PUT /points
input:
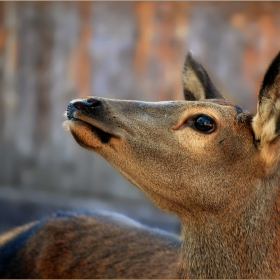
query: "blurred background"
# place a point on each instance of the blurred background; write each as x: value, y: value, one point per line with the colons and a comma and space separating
x: 52, y: 52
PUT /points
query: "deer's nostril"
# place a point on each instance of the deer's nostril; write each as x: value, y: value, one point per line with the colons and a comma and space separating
x: 89, y: 103
x: 78, y: 106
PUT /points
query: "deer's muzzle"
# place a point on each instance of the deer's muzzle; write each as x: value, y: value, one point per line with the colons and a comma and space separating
x: 89, y: 114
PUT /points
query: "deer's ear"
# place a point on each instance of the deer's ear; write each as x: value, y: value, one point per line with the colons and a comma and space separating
x: 266, y: 123
x: 196, y: 82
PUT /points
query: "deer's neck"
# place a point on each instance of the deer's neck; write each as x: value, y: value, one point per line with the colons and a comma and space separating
x: 244, y: 243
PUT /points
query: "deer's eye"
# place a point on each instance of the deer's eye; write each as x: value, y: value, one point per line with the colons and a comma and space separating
x: 203, y: 123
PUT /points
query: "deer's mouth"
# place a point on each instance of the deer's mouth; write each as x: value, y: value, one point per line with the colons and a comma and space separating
x: 103, y: 136
x: 87, y: 132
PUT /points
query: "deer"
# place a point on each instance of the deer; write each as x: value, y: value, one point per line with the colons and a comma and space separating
x: 209, y: 161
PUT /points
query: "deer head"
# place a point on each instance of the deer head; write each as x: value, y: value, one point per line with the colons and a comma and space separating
x: 205, y: 159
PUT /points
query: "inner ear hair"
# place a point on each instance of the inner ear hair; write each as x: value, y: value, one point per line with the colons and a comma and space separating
x: 266, y: 122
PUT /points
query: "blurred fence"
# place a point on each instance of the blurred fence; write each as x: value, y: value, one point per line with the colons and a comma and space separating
x: 52, y: 52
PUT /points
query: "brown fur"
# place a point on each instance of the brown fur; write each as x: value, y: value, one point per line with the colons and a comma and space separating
x: 96, y: 246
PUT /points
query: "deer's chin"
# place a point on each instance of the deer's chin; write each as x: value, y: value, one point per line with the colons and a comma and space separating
x: 87, y: 135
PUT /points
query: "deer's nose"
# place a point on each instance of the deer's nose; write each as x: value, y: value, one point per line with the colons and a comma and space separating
x: 84, y: 104
x: 81, y: 105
